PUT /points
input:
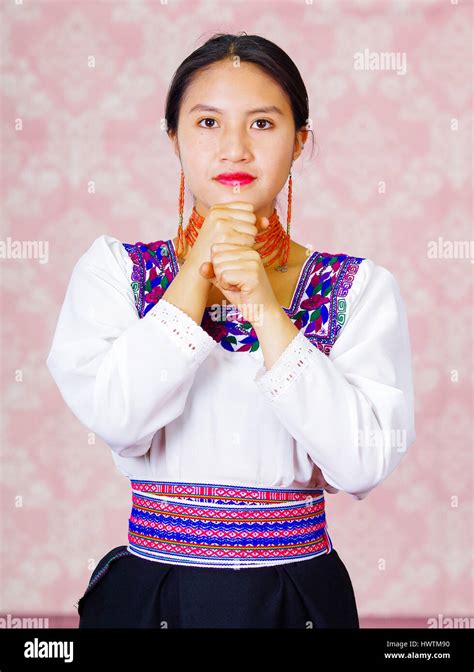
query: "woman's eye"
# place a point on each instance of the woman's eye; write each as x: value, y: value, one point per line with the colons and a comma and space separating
x: 206, y: 119
x: 265, y: 121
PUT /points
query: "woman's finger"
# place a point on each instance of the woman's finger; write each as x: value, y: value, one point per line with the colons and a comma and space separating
x: 206, y: 269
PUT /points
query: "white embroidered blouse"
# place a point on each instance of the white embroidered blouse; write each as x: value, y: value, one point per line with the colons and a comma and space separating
x: 178, y: 401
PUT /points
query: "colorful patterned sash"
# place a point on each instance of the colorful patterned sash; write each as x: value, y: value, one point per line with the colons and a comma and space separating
x: 212, y: 525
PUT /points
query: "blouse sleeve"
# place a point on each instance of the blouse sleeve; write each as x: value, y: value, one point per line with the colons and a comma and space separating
x: 352, y: 410
x: 124, y: 377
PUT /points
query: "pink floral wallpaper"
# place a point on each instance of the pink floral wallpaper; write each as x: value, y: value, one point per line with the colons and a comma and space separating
x: 84, y: 153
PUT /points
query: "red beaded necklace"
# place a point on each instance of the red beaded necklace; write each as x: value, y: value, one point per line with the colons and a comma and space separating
x: 274, y: 239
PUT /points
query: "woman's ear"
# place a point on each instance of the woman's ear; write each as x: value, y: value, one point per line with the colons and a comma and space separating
x: 300, y: 141
x: 174, y: 141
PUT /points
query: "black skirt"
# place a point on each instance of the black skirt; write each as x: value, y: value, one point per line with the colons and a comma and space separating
x: 126, y: 591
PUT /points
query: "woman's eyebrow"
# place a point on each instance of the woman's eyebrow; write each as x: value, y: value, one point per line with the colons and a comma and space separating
x: 209, y: 108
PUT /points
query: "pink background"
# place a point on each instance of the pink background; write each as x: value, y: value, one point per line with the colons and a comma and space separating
x: 408, y: 546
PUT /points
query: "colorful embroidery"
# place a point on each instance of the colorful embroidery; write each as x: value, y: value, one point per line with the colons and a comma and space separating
x: 318, y: 306
x: 216, y: 525
x: 154, y: 267
x: 322, y: 311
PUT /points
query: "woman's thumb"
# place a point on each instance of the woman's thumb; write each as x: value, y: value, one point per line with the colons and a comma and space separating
x: 207, y: 270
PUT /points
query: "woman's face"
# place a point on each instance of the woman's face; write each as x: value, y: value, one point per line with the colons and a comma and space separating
x: 236, y: 138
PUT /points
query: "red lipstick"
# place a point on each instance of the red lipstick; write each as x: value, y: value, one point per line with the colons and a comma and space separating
x: 232, y: 179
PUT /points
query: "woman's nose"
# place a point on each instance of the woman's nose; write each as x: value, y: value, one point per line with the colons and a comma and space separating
x: 234, y: 146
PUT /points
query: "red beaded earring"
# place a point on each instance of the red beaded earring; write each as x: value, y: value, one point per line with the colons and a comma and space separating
x: 288, y: 211
x: 283, y: 267
x: 180, y: 250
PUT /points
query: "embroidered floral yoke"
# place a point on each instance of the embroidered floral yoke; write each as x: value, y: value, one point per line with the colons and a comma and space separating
x: 318, y: 306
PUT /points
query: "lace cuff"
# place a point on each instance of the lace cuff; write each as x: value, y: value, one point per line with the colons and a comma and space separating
x: 189, y: 336
x: 287, y: 368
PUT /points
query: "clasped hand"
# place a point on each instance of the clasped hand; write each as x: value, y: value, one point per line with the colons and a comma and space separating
x: 236, y: 269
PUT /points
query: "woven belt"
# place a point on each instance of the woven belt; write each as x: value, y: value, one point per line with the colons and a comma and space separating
x: 212, y: 525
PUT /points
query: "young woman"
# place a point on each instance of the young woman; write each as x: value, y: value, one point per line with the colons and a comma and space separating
x: 235, y: 375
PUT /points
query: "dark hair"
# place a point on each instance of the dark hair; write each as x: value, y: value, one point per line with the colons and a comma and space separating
x: 252, y: 48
